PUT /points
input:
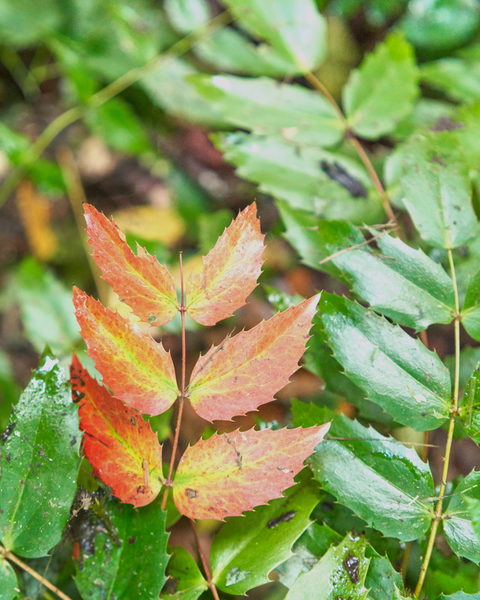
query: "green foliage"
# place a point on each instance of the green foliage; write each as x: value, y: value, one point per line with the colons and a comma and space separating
x: 8, y: 581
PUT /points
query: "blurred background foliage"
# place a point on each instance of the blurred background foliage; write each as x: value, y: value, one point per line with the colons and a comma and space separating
x: 147, y: 158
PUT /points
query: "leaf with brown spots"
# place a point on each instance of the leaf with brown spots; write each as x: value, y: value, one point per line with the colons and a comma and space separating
x: 121, y: 447
x: 234, y: 472
x: 140, y: 281
x: 246, y: 371
x: 138, y: 370
x: 230, y: 271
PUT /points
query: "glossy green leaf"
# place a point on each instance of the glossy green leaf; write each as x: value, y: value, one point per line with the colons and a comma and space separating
x: 295, y: 29
x: 189, y: 582
x: 471, y: 307
x: 437, y: 190
x: 132, y: 563
x: 383, y: 482
x: 39, y: 463
x: 266, y: 107
x: 247, y: 548
x: 382, y: 580
x: 460, y: 596
x: 396, y: 371
x: 470, y: 407
x: 373, y: 99
x: 340, y: 573
x: 8, y: 581
x: 457, y: 522
x: 46, y: 309
x: 328, y: 184
x: 118, y: 125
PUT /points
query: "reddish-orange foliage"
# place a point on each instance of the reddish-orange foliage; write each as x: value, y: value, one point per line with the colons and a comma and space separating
x: 121, y: 447
x: 138, y: 370
x: 246, y: 371
x: 140, y: 281
x: 234, y: 472
x: 230, y: 271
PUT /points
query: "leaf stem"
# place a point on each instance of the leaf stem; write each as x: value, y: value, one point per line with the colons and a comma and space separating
x: 107, y: 93
x: 309, y: 76
x: 205, y: 564
x: 448, y: 448
x: 11, y: 557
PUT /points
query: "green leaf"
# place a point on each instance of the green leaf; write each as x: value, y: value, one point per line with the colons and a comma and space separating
x: 373, y: 99
x: 295, y: 29
x: 396, y: 371
x: 471, y: 307
x: 474, y: 510
x: 131, y: 564
x: 459, y: 79
x: 341, y: 572
x: 187, y: 15
x: 437, y: 190
x: 470, y: 407
x: 460, y: 596
x: 39, y: 463
x: 328, y: 184
x: 382, y: 579
x: 383, y: 482
x: 8, y: 580
x: 457, y: 522
x: 266, y: 107
x: 118, y: 125
x: 26, y: 22
x: 189, y: 581
x: 46, y: 309
x: 247, y: 548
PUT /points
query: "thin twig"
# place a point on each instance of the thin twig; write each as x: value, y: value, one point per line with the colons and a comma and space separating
x: 11, y: 557
x: 335, y: 254
x: 205, y: 564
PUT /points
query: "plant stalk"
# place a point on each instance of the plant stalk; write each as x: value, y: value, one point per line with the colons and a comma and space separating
x: 206, y: 567
x: 448, y: 448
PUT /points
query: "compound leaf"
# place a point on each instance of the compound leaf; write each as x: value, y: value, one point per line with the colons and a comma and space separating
x: 396, y: 371
x: 121, y: 447
x: 373, y: 100
x: 145, y: 285
x: 247, y: 548
x: 247, y: 370
x: 230, y: 271
x: 39, y: 463
x: 138, y: 370
x: 228, y: 474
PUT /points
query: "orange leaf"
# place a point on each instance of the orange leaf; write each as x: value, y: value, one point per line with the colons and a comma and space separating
x: 144, y: 284
x: 230, y: 271
x: 138, y: 370
x: 121, y: 447
x: 233, y: 472
x: 247, y: 370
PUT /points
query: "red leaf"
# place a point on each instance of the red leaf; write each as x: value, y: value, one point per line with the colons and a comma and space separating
x: 234, y: 472
x: 230, y: 271
x: 246, y: 371
x: 121, y: 447
x: 138, y: 370
x: 144, y: 284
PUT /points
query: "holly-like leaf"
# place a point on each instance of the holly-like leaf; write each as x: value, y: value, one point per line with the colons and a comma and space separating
x: 373, y: 100
x: 140, y: 281
x: 121, y: 447
x: 270, y: 530
x: 130, y: 560
x: 39, y: 463
x: 138, y: 370
x: 457, y: 522
x: 190, y: 583
x: 471, y: 307
x: 246, y: 371
x: 8, y: 581
x: 437, y: 190
x: 340, y: 573
x: 383, y: 482
x: 231, y: 473
x: 397, y: 372
x: 230, y: 271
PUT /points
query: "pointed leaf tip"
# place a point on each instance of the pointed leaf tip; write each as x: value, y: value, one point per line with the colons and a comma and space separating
x: 138, y: 370
x: 230, y: 271
x: 121, y: 447
x: 140, y: 281
x: 234, y: 472
x: 252, y: 366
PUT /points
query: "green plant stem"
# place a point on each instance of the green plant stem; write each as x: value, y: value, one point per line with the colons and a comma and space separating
x: 14, y: 559
x: 107, y: 93
x: 205, y: 564
x: 448, y: 448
